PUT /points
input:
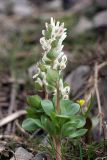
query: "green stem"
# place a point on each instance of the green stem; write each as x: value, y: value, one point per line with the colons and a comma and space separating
x: 58, y: 99
x: 56, y: 140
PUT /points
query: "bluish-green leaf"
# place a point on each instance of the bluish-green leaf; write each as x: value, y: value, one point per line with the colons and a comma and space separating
x: 61, y: 119
x: 47, y: 106
x: 29, y: 124
x: 77, y: 133
x: 34, y: 112
x: 52, y: 76
x: 78, y: 120
x: 52, y: 54
x: 48, y: 125
x: 48, y: 32
x: 34, y: 101
x: 62, y: 116
x: 75, y: 123
x: 69, y: 108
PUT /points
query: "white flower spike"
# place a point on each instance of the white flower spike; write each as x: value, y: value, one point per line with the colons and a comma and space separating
x: 53, y: 56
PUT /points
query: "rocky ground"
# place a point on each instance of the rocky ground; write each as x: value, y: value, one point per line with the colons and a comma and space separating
x: 86, y: 73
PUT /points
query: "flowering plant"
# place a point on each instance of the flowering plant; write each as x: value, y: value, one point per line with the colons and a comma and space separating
x: 60, y: 117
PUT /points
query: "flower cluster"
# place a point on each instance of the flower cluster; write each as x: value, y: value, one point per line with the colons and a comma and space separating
x: 53, y: 56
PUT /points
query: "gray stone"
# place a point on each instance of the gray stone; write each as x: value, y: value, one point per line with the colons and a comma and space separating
x: 45, y: 141
x: 53, y: 5
x: 40, y: 156
x: 6, y: 6
x: 22, y: 154
x: 83, y: 25
x: 22, y: 8
x: 102, y: 3
x: 2, y: 7
x: 100, y: 20
x: 77, y: 78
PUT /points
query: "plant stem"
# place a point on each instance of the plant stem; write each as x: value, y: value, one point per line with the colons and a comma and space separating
x: 57, y: 144
x: 56, y: 140
x: 46, y: 95
x: 58, y: 99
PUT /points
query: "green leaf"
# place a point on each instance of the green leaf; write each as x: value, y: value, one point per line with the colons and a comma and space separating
x: 89, y: 107
x: 58, y: 120
x: 50, y: 88
x: 47, y: 106
x: 31, y: 112
x: 77, y: 133
x: 66, y: 129
x: 52, y: 76
x: 34, y: 101
x: 54, y: 100
x: 69, y: 108
x: 42, y: 67
x: 37, y: 86
x: 75, y: 107
x: 75, y: 123
x: 54, y: 43
x: 54, y: 118
x: 48, y: 32
x: 63, y: 116
x: 48, y: 125
x: 38, y: 123
x: 29, y: 124
x: 52, y: 54
x: 61, y: 119
x: 43, y: 121
x: 78, y: 120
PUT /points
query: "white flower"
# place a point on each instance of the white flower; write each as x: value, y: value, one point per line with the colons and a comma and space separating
x: 66, y: 90
x: 39, y: 81
x: 63, y: 62
x: 64, y: 58
x: 45, y: 44
x: 53, y: 56
x: 43, y: 32
x: 61, y: 85
x: 56, y: 32
x: 60, y: 55
x: 37, y: 74
x: 66, y: 97
x: 45, y: 59
x: 55, y: 91
x: 45, y: 82
x: 46, y: 25
x: 56, y: 64
x: 43, y: 74
x: 52, y: 22
x: 62, y: 66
